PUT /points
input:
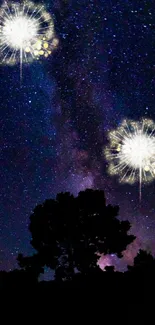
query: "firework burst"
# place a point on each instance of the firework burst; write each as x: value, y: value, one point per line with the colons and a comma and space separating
x: 26, y: 33
x: 131, y: 152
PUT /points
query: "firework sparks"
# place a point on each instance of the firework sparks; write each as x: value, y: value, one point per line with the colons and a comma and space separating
x: 131, y: 152
x: 26, y: 33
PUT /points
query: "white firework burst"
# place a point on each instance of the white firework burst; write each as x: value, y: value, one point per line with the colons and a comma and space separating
x: 131, y: 152
x: 26, y: 33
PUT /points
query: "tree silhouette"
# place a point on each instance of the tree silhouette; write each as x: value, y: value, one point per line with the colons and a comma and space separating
x: 144, y: 262
x: 69, y: 231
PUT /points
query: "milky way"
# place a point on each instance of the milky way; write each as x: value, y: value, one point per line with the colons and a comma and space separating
x: 54, y: 128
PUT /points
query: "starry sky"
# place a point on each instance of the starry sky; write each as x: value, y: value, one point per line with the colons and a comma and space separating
x: 53, y: 127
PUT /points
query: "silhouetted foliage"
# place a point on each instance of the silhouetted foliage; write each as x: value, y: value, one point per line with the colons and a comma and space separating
x: 31, y: 265
x: 68, y: 232
x: 110, y: 268
x: 143, y: 263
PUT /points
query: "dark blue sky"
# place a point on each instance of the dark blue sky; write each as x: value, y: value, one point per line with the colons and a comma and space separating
x: 54, y: 127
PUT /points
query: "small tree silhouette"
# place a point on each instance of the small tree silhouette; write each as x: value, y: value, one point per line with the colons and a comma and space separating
x: 143, y: 263
x: 68, y: 233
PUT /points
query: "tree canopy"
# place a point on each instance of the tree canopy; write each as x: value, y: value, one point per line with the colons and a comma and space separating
x: 70, y: 232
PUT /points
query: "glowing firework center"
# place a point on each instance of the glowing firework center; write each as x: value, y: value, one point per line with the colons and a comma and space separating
x: 26, y: 33
x: 20, y: 32
x: 131, y: 152
x: 138, y: 151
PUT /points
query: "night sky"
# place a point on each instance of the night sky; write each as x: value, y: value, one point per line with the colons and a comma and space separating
x: 53, y: 128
